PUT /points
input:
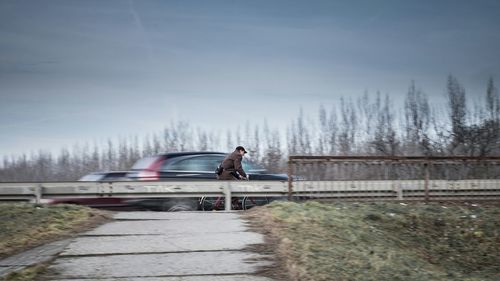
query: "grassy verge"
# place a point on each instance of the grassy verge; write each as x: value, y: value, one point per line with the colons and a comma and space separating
x: 24, y: 226
x: 27, y: 274
x: 383, y: 241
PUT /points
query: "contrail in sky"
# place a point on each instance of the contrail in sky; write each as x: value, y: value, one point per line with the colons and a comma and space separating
x: 140, y: 26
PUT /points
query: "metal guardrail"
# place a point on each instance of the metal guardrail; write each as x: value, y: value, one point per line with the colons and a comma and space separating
x: 411, y: 177
x: 141, y: 188
x: 332, y: 177
x: 342, y: 190
x: 33, y: 191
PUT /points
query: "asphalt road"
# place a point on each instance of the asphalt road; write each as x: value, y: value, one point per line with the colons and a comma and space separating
x: 186, y: 246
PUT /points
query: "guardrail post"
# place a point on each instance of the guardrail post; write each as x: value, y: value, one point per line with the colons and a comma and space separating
x: 426, y: 180
x: 289, y: 172
x: 100, y: 190
x: 227, y: 196
x: 110, y: 185
x: 399, y: 191
x: 38, y: 193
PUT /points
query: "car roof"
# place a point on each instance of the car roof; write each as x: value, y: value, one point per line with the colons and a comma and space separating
x: 179, y: 154
x: 108, y: 172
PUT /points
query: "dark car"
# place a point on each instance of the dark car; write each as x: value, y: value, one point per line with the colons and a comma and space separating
x: 192, y: 166
x: 186, y: 166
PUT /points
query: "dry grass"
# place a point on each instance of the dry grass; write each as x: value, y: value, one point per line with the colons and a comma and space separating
x: 24, y: 226
x: 383, y: 241
x: 27, y: 274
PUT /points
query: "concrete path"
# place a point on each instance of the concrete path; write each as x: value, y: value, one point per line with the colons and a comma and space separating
x: 152, y: 246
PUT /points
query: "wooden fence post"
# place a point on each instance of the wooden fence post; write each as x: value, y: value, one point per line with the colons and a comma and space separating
x: 289, y: 172
x: 426, y: 180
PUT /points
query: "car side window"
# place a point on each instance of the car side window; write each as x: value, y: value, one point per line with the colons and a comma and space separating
x: 198, y: 163
x: 247, y: 165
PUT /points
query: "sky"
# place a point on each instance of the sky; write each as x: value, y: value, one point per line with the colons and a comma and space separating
x: 84, y: 71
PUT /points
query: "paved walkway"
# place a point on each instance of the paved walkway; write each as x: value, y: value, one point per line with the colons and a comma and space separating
x: 187, y: 246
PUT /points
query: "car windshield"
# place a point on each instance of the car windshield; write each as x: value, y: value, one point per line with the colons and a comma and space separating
x: 206, y: 163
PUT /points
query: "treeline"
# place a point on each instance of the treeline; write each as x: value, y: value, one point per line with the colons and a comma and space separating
x: 373, y: 126
x: 367, y: 125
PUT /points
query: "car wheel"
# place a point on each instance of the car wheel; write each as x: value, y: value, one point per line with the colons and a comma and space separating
x: 212, y: 203
x: 250, y: 202
x: 179, y: 206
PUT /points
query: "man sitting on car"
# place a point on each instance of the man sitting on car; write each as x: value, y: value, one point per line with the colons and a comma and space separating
x: 232, y: 168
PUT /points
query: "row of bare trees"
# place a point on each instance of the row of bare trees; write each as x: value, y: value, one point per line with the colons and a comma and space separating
x: 373, y: 126
x: 120, y: 154
x: 368, y: 125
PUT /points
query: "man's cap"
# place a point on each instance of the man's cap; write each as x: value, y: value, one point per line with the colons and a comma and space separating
x: 241, y: 148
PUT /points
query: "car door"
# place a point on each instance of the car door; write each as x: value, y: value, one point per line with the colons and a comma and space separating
x: 197, y: 167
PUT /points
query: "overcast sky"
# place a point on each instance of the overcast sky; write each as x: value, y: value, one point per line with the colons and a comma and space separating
x: 76, y: 71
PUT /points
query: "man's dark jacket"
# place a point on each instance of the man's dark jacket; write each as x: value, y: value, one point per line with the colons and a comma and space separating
x: 231, y: 165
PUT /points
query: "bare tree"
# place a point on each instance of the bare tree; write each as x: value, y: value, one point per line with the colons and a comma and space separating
x: 184, y: 134
x: 458, y: 112
x: 332, y: 132
x: 417, y: 117
x: 43, y: 165
x: 63, y: 165
x: 229, y: 141
x: 273, y: 156
x: 214, y: 140
x: 256, y: 157
x: 303, y: 134
x: 147, y: 149
x: 133, y: 151
x: 492, y: 101
x: 348, y: 127
x: 367, y: 110
x: 322, y: 146
x: 202, y: 140
x: 385, y: 142
x: 238, y: 136
x: 110, y: 157
x: 156, y: 144
x: 483, y: 137
x: 169, y: 137
x: 123, y: 154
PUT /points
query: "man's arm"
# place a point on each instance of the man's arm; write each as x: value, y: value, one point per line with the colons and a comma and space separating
x: 238, y: 167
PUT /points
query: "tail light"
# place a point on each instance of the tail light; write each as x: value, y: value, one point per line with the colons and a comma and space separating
x: 151, y: 173
x: 147, y: 169
x: 148, y: 176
